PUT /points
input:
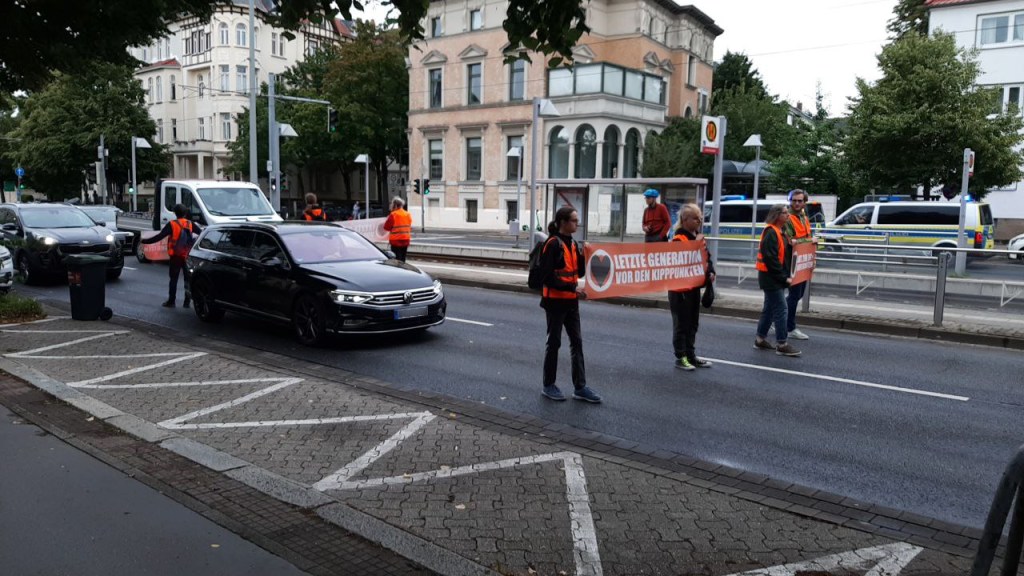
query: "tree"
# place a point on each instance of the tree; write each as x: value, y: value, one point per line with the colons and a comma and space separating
x: 909, y: 17
x: 675, y: 152
x: 909, y: 129
x: 61, y: 126
x: 737, y: 71
x: 41, y: 37
x: 749, y: 111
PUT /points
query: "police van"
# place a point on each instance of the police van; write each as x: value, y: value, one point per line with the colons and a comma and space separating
x: 735, y: 220
x: 927, y: 225
x: 212, y: 202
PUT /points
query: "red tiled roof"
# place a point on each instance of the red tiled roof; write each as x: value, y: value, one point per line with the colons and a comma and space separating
x: 171, y: 63
x: 937, y: 3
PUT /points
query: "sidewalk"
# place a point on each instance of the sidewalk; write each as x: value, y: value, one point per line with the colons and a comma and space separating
x: 458, y: 487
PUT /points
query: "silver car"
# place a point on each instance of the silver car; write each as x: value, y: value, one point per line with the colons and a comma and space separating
x: 6, y: 270
x: 1016, y: 248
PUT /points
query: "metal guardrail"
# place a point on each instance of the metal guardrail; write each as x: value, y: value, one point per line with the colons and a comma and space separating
x: 1010, y: 490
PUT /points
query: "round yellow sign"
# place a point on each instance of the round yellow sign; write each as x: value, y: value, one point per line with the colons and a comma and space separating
x: 712, y: 131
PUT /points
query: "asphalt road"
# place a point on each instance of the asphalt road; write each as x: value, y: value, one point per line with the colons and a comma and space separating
x: 54, y: 498
x: 934, y: 443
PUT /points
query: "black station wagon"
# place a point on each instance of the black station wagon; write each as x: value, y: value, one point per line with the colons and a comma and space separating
x: 318, y: 277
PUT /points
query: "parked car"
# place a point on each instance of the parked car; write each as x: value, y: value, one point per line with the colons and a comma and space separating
x: 106, y: 216
x: 318, y: 277
x: 6, y: 270
x: 1016, y: 247
x: 927, y: 225
x: 42, y: 235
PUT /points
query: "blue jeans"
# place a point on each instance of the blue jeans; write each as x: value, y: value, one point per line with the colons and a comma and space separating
x: 773, y: 312
x: 792, y: 299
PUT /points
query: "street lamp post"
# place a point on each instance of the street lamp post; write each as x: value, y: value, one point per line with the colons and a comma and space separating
x: 542, y: 108
x: 517, y: 152
x: 755, y: 141
x: 137, y: 142
x: 365, y: 159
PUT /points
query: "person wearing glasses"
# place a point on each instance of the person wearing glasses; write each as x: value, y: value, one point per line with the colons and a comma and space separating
x: 798, y: 230
x: 563, y: 264
x: 685, y: 304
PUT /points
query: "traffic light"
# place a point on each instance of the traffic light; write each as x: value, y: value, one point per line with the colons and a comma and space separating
x: 426, y: 186
x: 416, y: 186
x: 332, y: 120
x: 284, y: 182
x: 131, y: 190
x: 273, y: 185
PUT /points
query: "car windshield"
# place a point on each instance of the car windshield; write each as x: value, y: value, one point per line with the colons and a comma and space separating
x: 107, y: 215
x: 329, y: 245
x: 235, y: 202
x: 56, y: 218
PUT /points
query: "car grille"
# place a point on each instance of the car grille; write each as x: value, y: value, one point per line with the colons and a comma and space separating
x: 398, y: 298
x: 84, y: 248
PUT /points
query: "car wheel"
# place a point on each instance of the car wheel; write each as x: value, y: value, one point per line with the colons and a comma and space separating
x: 834, y: 247
x: 939, y: 251
x: 202, y: 302
x: 140, y: 255
x: 114, y: 274
x: 28, y: 275
x: 308, y: 320
x: 1020, y: 256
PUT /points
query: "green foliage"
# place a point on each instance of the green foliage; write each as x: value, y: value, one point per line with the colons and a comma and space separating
x: 60, y: 127
x: 676, y: 152
x: 238, y: 149
x: 736, y: 71
x: 549, y: 27
x: 909, y: 17
x: 910, y: 127
x: 750, y: 111
x: 15, y: 308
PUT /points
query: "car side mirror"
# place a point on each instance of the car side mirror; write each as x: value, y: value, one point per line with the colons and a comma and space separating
x: 389, y: 254
x: 10, y: 227
x: 275, y: 262
x: 101, y: 223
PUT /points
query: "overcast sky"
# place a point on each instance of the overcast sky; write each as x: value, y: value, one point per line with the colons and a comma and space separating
x: 796, y: 44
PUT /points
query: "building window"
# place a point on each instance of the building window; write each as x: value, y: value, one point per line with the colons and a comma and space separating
x: 225, y: 126
x: 202, y: 128
x: 435, y: 88
x: 514, y: 162
x: 174, y: 129
x: 149, y: 90
x: 145, y: 55
x: 517, y: 80
x: 558, y: 153
x: 240, y: 35
x: 702, y: 103
x: 586, y: 152
x: 280, y: 45
x: 610, y: 153
x: 225, y: 78
x: 632, y: 154
x: 474, y: 159
x: 1002, y: 29
x: 471, y: 211
x: 273, y: 43
x: 159, y: 88
x: 476, y: 19
x: 688, y: 113
x: 607, y: 79
x: 224, y: 34
x: 588, y: 79
x: 691, y: 71
x: 174, y: 88
x: 202, y: 86
x: 435, y: 27
x: 474, y: 84
x: 242, y: 79
x: 160, y: 130
x: 436, y: 159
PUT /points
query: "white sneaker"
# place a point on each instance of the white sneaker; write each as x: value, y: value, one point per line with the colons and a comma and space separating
x: 796, y: 334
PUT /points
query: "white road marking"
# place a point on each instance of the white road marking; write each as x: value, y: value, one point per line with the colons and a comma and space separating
x: 49, y: 319
x: 843, y: 380
x: 130, y: 268
x: 889, y: 560
x: 116, y: 375
x: 177, y: 423
x: 28, y: 353
x: 177, y: 384
x: 469, y: 321
x: 332, y: 481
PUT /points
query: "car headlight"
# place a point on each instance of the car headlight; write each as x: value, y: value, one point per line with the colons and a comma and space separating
x: 46, y: 240
x: 437, y: 287
x: 343, y: 297
x: 109, y: 238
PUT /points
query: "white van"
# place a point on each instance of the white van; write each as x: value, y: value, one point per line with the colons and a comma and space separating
x: 212, y: 202
x: 735, y: 219
x: 911, y: 224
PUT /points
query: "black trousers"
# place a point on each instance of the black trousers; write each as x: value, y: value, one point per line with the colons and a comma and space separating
x: 685, y: 307
x: 177, y: 265
x: 564, y: 314
x: 399, y: 251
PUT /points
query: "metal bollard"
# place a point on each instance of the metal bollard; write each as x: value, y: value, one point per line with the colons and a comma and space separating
x: 940, y: 286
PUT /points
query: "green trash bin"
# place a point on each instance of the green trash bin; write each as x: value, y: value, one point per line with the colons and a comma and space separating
x: 87, y: 281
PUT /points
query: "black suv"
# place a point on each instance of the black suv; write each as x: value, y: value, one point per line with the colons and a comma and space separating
x: 41, y: 235
x: 318, y: 277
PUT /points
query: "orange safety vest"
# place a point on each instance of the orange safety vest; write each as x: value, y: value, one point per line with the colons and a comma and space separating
x: 401, y: 228
x: 801, y: 225
x: 176, y: 228
x: 782, y: 247
x: 567, y: 273
x: 314, y: 214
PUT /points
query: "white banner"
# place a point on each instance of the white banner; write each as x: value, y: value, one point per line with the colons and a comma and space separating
x: 372, y: 228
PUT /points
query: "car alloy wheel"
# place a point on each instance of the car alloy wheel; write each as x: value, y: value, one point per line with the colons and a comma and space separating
x: 25, y: 269
x: 203, y: 304
x: 308, y: 320
x: 140, y: 254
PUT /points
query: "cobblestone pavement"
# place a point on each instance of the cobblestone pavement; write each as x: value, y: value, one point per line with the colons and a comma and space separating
x: 461, y: 491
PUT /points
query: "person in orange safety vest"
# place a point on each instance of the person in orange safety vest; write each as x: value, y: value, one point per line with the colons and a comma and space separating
x: 313, y: 211
x: 798, y: 231
x: 773, y: 277
x: 399, y: 224
x: 181, y: 234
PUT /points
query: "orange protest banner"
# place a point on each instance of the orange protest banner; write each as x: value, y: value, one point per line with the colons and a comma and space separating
x: 629, y: 269
x: 804, y: 257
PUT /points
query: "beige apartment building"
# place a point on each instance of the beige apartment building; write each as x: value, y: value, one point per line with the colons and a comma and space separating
x: 643, y: 62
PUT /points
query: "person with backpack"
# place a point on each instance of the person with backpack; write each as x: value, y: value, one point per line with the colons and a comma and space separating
x: 561, y: 266
x: 313, y: 211
x: 181, y: 234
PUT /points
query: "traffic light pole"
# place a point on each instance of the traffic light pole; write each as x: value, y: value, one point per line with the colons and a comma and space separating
x: 274, y: 130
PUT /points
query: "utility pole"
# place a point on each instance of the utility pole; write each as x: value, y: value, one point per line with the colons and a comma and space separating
x: 101, y: 170
x: 253, y: 147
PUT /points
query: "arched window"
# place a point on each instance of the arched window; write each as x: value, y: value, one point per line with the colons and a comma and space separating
x: 632, y: 154
x: 610, y: 163
x: 586, y: 152
x: 558, y: 153
x: 240, y: 35
x: 688, y: 113
x: 224, y: 33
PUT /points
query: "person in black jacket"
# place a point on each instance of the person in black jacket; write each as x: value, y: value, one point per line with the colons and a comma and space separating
x: 685, y: 304
x: 563, y: 264
x: 773, y: 277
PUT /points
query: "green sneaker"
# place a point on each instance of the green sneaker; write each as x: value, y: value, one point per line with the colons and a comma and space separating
x: 683, y: 363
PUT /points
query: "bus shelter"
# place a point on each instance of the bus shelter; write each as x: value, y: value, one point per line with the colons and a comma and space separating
x: 613, y: 208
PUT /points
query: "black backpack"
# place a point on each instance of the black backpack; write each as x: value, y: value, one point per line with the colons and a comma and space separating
x: 535, y: 280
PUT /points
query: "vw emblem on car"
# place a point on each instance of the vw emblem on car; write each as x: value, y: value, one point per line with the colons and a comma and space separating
x: 407, y: 297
